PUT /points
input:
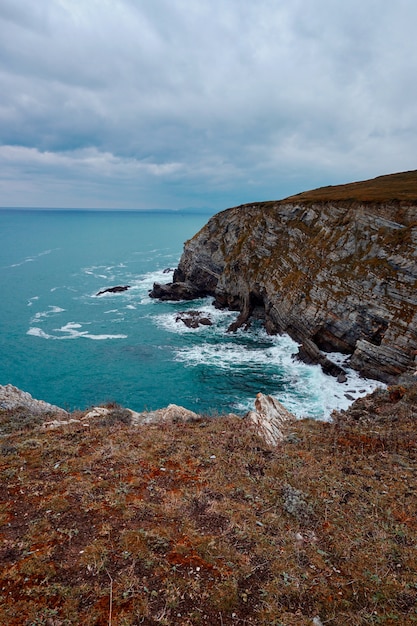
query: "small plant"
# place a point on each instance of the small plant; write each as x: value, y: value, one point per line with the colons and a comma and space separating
x: 117, y: 415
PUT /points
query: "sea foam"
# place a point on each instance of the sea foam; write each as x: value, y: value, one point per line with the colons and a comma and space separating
x: 303, y: 389
x: 71, y: 331
x: 41, y: 315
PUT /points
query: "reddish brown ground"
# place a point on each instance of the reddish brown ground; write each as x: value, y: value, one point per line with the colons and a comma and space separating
x: 205, y: 524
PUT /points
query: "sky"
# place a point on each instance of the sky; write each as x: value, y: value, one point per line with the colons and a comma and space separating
x: 170, y: 104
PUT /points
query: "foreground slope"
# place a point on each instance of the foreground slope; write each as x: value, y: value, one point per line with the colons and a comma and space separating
x: 335, y: 268
x: 106, y: 523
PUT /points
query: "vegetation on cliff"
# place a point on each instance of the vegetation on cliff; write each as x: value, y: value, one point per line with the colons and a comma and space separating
x: 105, y: 523
x: 401, y: 187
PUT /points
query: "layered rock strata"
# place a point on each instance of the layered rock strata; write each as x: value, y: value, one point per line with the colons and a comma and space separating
x: 337, y: 275
x: 270, y: 419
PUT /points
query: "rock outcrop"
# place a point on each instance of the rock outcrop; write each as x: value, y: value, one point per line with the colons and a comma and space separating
x: 335, y: 268
x: 175, y: 291
x: 12, y: 398
x: 270, y: 419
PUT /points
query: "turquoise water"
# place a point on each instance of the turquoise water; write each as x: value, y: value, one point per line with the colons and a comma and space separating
x: 63, y: 344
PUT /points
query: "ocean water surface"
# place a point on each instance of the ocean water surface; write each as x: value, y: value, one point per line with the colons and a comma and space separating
x: 66, y: 345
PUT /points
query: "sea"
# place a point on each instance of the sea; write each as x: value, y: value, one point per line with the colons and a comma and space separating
x: 64, y: 344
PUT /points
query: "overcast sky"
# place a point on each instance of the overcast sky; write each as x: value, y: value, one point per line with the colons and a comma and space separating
x: 201, y: 103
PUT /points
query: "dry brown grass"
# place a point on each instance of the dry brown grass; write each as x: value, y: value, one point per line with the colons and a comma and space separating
x: 401, y: 187
x: 204, y: 524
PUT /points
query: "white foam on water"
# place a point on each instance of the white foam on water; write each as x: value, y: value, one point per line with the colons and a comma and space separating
x: 63, y: 287
x: 317, y: 394
x: 104, y: 337
x: 168, y: 322
x: 31, y: 259
x: 38, y: 332
x: 71, y: 331
x: 105, y: 272
x: 220, y: 318
x: 159, y: 276
x: 234, y: 355
x: 140, y: 287
x: 304, y: 389
x: 41, y: 315
x: 98, y: 271
x: 32, y: 300
x: 152, y: 252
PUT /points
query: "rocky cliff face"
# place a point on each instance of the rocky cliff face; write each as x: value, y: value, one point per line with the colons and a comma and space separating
x: 336, y: 273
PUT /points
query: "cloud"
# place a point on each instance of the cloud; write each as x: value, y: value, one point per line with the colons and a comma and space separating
x: 203, y: 103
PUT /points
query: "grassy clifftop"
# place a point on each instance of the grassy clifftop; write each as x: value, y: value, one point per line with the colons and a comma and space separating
x: 401, y: 187
x: 109, y: 524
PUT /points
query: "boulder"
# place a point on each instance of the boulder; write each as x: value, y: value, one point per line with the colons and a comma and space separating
x: 270, y: 419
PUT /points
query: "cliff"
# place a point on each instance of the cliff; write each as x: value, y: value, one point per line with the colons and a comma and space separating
x: 335, y: 268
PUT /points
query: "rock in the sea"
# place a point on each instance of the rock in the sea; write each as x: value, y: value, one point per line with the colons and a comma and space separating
x: 270, y: 419
x: 175, y: 291
x: 117, y: 289
x: 193, y: 319
x: 335, y: 268
x: 13, y: 398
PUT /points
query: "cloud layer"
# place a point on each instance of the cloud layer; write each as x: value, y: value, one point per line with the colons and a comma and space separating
x: 167, y: 103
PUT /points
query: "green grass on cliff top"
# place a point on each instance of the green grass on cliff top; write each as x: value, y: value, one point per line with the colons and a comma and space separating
x: 401, y: 186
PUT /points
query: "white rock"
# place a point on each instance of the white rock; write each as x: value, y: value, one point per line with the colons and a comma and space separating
x: 58, y: 423
x: 171, y: 414
x: 270, y: 418
x: 13, y: 398
x: 97, y: 411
